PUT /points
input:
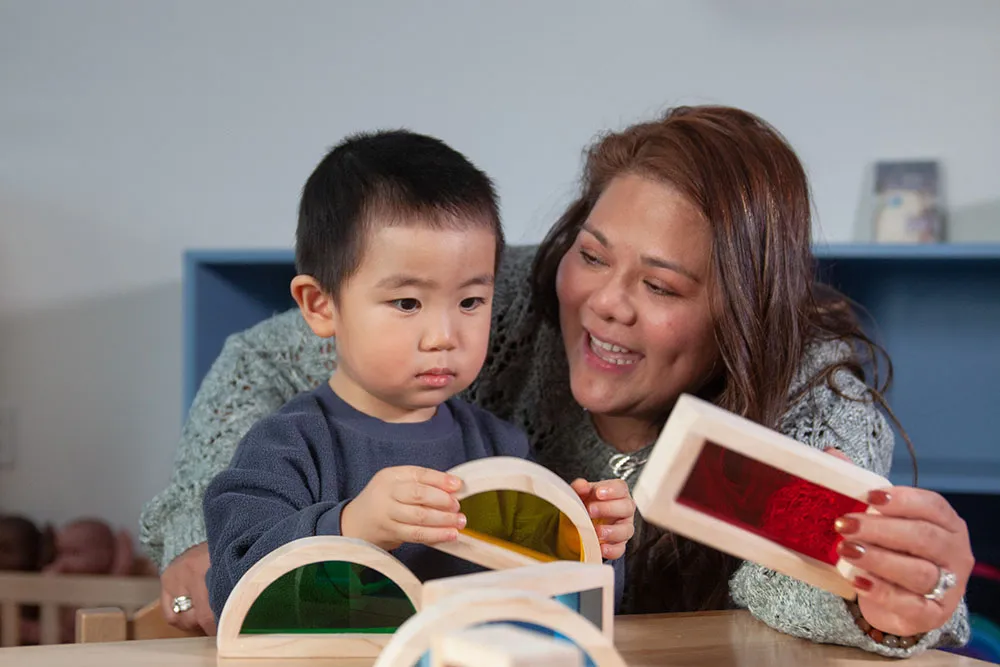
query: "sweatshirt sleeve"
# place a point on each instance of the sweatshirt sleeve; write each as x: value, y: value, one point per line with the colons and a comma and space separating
x: 267, y: 498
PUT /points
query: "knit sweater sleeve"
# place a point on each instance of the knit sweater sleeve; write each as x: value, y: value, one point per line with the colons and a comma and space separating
x: 257, y: 372
x: 852, y: 424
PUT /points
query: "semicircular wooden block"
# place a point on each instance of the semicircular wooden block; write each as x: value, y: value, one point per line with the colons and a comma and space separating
x: 419, y: 634
x: 509, y: 474
x: 233, y: 642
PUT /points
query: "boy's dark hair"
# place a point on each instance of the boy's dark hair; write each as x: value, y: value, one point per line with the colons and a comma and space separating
x: 386, y: 178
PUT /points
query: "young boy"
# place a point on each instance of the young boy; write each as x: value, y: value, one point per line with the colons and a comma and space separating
x: 398, y: 242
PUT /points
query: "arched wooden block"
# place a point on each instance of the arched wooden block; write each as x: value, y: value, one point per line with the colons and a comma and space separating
x: 477, y: 607
x: 595, y: 583
x: 663, y: 494
x: 505, y: 473
x: 504, y: 646
x: 306, y: 551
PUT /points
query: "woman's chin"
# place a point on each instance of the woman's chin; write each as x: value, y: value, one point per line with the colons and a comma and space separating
x: 595, y: 398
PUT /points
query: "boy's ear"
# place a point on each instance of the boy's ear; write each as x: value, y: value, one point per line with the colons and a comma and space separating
x: 316, y: 305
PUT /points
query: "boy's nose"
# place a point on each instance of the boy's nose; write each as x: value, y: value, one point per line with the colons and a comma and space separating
x: 440, y: 336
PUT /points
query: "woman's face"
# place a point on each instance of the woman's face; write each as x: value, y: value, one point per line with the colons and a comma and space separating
x: 634, y: 301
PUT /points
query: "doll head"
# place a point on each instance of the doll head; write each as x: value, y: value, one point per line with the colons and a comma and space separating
x: 84, y: 546
x: 23, y: 547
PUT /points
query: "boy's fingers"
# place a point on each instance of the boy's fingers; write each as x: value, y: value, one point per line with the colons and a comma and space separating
x: 441, y: 480
x: 612, y: 551
x: 414, y: 493
x: 582, y: 487
x: 425, y: 534
x: 611, y: 489
x: 617, y: 533
x: 622, y: 508
x: 421, y: 515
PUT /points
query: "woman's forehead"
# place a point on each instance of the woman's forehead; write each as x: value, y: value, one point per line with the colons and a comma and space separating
x: 651, y: 217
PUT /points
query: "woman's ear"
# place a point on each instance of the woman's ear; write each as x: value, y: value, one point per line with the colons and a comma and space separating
x: 316, y: 305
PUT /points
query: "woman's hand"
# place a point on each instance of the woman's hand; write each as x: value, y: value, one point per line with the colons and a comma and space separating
x: 185, y: 576
x: 405, y: 504
x: 904, y: 549
x: 612, y: 509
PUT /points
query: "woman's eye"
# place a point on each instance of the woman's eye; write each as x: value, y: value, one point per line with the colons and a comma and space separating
x: 658, y: 290
x: 591, y: 259
x: 472, y: 303
x: 406, y: 305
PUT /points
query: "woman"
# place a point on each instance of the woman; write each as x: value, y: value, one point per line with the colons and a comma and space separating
x: 685, y: 265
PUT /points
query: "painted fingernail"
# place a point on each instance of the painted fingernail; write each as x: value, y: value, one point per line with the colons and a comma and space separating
x: 595, y: 511
x: 604, y: 533
x: 850, y: 550
x: 846, y: 525
x: 462, y: 521
x: 879, y: 497
x: 863, y: 584
x: 602, y: 493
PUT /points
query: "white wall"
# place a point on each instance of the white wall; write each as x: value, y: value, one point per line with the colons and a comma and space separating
x: 132, y: 130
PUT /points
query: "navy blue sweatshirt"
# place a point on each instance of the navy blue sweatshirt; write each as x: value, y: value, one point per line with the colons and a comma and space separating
x: 295, y: 470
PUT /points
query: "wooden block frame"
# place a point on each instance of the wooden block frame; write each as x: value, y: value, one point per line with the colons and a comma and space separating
x: 692, y: 423
x: 503, y: 646
x: 479, y: 607
x: 306, y: 551
x: 596, y: 583
x: 506, y: 473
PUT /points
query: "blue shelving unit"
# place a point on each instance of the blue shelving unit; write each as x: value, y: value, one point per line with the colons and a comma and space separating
x: 936, y: 310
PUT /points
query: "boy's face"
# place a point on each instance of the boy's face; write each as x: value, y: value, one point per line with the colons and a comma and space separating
x: 413, y: 323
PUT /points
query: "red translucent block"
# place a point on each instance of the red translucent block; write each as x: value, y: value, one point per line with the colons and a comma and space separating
x: 781, y: 507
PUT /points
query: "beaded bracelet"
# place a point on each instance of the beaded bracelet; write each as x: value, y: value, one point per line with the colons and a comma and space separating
x: 879, y: 637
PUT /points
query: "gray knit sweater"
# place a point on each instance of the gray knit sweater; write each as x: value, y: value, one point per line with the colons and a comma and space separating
x: 524, y: 381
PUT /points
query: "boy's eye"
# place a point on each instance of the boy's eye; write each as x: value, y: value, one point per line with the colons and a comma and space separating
x: 472, y: 303
x: 406, y: 305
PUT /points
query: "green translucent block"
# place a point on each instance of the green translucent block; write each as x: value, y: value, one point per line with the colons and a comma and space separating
x: 333, y: 598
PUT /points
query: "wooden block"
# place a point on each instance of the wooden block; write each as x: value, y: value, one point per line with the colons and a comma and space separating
x: 479, y: 607
x: 503, y: 646
x: 232, y: 643
x: 101, y: 624
x: 752, y: 492
x: 510, y: 474
x: 10, y: 623
x: 594, y: 583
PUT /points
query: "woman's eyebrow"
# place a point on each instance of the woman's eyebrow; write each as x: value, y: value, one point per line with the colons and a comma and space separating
x: 648, y: 260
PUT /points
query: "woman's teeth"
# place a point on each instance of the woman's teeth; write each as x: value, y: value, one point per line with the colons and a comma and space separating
x: 601, y: 349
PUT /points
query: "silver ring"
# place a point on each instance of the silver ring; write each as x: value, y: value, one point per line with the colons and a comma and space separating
x: 946, y: 581
x: 182, y: 603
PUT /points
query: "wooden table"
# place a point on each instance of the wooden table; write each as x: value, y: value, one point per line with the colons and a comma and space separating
x: 719, y: 639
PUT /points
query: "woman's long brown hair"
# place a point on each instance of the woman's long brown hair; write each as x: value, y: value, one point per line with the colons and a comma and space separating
x: 767, y: 305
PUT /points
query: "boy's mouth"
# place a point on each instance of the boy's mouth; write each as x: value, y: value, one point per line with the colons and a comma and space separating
x: 437, y: 377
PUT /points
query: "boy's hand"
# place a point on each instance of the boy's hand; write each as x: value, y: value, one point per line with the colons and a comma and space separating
x: 405, y: 504
x: 612, y: 509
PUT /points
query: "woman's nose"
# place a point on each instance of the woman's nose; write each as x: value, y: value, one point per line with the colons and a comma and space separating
x: 612, y: 303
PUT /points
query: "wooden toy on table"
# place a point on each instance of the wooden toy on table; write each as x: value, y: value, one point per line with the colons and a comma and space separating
x: 473, y: 608
x: 322, y: 596
x: 585, y: 588
x: 503, y: 646
x: 520, y: 513
x: 754, y: 493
